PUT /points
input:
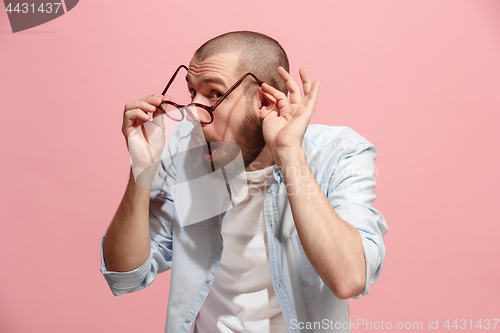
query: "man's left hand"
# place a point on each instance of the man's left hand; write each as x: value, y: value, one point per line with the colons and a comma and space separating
x: 284, y: 129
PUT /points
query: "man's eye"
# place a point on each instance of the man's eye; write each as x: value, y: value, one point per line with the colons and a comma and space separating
x: 215, y: 94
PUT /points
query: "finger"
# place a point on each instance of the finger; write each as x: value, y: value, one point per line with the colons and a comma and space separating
x: 131, y: 116
x: 142, y: 105
x: 158, y: 118
x: 269, y: 96
x: 270, y: 115
x: 279, y: 96
x: 148, y: 103
x: 293, y: 88
x: 154, y: 99
x: 306, y: 82
x: 313, y: 95
x: 163, y: 105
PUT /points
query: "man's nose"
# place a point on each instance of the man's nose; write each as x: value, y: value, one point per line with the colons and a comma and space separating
x: 187, y: 114
x: 200, y: 99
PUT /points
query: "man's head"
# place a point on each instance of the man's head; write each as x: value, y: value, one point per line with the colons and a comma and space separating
x: 216, y: 66
x: 258, y: 54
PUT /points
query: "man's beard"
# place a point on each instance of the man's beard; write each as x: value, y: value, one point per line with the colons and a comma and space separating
x: 248, y: 137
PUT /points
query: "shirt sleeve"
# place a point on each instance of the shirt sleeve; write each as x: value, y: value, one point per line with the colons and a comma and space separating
x: 161, y: 214
x: 351, y: 194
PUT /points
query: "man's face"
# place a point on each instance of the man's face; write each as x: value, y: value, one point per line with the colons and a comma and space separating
x: 235, y: 119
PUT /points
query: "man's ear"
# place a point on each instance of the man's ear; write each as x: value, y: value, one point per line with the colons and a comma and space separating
x: 268, y: 103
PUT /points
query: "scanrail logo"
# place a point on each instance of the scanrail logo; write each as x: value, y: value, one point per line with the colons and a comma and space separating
x: 29, y: 14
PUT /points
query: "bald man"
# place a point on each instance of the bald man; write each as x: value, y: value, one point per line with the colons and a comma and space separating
x: 305, y: 238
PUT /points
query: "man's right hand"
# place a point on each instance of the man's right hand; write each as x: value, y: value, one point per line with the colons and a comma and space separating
x: 138, y: 112
x: 145, y: 150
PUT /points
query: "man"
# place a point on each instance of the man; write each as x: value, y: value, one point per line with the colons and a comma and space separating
x: 302, y: 241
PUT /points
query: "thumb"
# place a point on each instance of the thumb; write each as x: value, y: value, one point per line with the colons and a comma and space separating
x: 158, y: 118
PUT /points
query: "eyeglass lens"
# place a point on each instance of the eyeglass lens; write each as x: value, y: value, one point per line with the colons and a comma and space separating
x: 197, y: 113
x: 180, y: 95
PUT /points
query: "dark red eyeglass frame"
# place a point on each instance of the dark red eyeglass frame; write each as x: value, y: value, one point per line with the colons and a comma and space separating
x: 209, y: 109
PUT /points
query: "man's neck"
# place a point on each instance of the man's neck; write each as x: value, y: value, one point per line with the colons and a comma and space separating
x: 263, y: 160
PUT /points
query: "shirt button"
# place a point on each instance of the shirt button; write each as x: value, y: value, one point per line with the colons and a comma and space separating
x: 207, y: 279
x: 188, y: 319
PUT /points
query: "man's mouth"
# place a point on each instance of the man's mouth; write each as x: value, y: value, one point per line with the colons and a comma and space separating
x: 209, y: 148
x: 209, y: 151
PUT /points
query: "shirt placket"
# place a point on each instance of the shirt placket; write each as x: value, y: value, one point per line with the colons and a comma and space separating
x: 274, y: 245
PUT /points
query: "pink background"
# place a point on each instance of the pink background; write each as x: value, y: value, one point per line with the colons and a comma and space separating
x: 419, y: 79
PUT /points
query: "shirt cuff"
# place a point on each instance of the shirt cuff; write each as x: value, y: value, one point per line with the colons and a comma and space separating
x: 125, y: 282
x: 372, y: 260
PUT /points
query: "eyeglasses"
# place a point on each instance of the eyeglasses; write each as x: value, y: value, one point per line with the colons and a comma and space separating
x: 199, y: 112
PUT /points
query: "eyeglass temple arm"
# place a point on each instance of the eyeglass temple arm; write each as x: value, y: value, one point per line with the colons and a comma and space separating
x: 236, y: 85
x: 173, y: 77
